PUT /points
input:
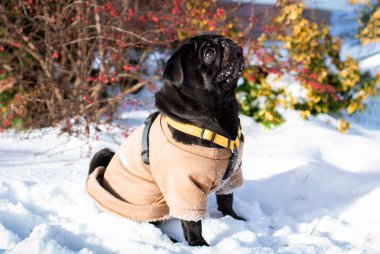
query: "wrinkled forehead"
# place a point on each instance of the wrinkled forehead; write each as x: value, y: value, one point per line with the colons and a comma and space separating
x: 200, y: 39
x: 205, y: 36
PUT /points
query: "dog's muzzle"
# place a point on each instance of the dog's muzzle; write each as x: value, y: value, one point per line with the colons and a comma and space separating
x: 233, y: 61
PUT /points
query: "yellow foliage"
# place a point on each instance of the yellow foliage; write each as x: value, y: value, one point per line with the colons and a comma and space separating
x: 310, y: 52
x: 371, y: 32
x: 349, y: 73
x: 305, y: 114
x: 343, y: 126
x: 204, y: 16
x: 352, y: 108
x: 263, y: 37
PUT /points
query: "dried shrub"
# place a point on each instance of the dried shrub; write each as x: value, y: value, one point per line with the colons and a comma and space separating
x: 65, y: 60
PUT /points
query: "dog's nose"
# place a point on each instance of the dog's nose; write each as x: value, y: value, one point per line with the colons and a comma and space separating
x: 239, y: 52
x: 232, y: 48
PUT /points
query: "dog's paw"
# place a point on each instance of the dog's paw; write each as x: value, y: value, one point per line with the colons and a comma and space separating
x: 173, y: 239
x: 198, y: 242
x: 237, y: 217
x: 232, y: 214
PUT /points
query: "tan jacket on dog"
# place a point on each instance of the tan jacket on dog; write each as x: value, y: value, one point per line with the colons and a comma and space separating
x: 176, y: 182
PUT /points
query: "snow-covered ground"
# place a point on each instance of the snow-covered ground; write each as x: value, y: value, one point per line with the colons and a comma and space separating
x: 308, y: 189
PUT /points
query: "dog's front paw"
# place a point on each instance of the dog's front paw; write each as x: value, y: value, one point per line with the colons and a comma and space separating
x: 198, y: 242
x: 233, y: 215
x: 225, y: 206
x: 193, y: 233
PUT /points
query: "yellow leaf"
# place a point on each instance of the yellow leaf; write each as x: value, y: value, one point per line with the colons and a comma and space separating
x: 305, y: 114
x: 343, y: 126
x: 263, y: 37
x: 352, y: 108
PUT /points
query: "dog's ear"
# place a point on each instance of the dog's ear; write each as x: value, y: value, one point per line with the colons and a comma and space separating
x: 173, y: 71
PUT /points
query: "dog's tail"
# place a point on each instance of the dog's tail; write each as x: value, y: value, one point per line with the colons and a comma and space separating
x: 101, y: 158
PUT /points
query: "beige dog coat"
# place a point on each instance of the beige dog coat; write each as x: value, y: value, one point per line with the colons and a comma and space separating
x: 176, y: 182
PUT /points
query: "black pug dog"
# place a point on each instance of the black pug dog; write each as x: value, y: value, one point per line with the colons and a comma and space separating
x: 199, y: 89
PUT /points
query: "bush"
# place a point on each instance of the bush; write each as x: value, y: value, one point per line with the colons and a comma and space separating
x: 369, y: 20
x: 77, y: 59
x: 301, y: 48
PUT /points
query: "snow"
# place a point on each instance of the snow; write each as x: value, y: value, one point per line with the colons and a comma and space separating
x: 288, y: 82
x: 308, y: 189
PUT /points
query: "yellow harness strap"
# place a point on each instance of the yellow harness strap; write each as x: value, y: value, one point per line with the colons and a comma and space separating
x: 205, y: 134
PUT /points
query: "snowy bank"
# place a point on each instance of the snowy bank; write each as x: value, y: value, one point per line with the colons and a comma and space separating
x: 308, y: 189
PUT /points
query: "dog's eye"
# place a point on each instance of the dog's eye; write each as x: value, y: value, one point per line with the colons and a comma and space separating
x: 209, y: 55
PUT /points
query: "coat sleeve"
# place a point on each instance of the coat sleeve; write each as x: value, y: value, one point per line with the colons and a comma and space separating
x: 235, y: 181
x: 184, y: 182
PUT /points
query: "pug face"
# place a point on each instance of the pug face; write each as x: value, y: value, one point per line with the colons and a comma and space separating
x: 205, y: 67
